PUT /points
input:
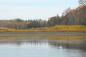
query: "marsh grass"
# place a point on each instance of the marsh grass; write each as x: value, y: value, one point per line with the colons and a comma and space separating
x: 59, y: 28
x: 69, y: 38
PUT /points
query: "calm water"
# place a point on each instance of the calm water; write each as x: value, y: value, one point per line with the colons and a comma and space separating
x: 38, y: 49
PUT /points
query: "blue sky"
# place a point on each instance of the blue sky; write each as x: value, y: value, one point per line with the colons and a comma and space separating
x: 34, y: 9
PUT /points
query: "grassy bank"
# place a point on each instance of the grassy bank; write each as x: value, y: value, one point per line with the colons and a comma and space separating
x: 59, y: 28
x: 68, y: 38
x: 69, y: 28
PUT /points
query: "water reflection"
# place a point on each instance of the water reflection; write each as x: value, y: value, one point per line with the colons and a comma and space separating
x: 53, y: 44
x: 57, y: 44
x: 37, y: 48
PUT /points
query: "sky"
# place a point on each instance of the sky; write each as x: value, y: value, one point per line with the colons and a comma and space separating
x: 34, y: 9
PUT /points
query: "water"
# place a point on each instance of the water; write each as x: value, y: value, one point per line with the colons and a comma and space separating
x: 39, y: 45
x: 38, y: 49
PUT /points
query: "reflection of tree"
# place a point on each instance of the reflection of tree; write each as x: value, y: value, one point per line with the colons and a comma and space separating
x: 67, y: 45
x: 53, y: 44
x: 18, y: 43
x: 83, y: 43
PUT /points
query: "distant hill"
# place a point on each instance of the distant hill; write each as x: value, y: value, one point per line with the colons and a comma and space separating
x: 4, y: 24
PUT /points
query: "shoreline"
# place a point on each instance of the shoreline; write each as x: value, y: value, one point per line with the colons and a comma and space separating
x: 14, y: 30
x: 63, y: 36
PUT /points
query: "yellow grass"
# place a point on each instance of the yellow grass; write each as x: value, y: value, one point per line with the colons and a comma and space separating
x: 59, y: 28
x: 69, y: 28
x: 67, y: 38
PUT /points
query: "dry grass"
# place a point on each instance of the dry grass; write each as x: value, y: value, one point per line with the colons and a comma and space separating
x: 68, y: 28
x: 59, y: 28
x: 68, y: 38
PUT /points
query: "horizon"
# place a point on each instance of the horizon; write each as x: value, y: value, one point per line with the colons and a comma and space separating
x: 30, y: 9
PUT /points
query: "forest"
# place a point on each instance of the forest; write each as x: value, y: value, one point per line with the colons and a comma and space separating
x: 75, y: 16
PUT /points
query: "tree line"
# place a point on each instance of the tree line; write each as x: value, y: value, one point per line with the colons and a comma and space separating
x: 69, y: 17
